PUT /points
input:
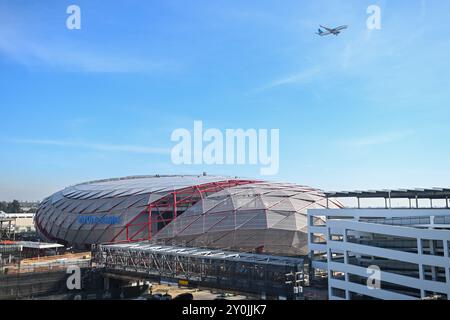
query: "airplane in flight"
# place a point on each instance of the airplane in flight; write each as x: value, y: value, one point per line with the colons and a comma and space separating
x: 329, y: 31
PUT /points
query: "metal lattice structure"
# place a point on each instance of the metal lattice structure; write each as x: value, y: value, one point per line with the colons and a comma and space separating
x: 7, y: 228
x: 141, y: 205
x: 216, y: 268
x: 198, y: 211
x: 261, y: 217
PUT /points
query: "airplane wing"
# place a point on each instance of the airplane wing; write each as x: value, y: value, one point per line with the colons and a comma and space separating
x: 323, y: 33
x: 328, y: 29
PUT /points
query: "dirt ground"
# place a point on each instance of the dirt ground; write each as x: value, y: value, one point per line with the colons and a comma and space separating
x: 47, y: 263
x: 199, y: 294
x: 53, y: 259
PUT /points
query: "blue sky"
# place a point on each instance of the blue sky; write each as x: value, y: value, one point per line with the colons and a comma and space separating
x: 367, y: 109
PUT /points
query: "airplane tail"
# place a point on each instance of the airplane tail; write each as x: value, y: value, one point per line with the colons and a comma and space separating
x: 319, y: 32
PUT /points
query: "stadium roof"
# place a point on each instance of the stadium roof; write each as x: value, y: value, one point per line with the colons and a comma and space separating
x: 433, y: 193
x: 136, y: 185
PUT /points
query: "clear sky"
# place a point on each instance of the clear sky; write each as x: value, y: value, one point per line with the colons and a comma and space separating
x: 367, y: 109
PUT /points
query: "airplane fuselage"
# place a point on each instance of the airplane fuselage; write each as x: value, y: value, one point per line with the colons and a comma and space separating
x: 334, y: 31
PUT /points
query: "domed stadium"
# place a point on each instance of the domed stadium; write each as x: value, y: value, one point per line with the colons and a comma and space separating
x: 202, y: 211
x: 266, y: 217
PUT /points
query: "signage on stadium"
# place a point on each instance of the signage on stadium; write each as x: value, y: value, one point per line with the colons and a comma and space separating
x: 98, y: 220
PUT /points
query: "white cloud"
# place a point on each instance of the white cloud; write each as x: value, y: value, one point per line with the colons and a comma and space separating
x: 29, y: 47
x: 95, y: 146
x: 26, y: 52
x: 302, y: 77
x: 379, y: 139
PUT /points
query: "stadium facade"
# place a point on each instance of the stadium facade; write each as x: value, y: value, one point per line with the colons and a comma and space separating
x: 204, y: 211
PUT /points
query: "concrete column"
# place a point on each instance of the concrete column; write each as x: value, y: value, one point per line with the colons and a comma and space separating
x: 329, y: 272
x: 446, y: 253
x: 447, y: 270
x: 347, y: 280
x: 433, y: 252
x: 421, y: 275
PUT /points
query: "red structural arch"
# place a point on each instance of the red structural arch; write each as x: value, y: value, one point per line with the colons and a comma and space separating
x: 166, y: 209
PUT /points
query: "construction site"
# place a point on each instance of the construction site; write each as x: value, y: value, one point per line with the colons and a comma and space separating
x: 146, y: 270
x: 196, y: 237
x: 218, y: 238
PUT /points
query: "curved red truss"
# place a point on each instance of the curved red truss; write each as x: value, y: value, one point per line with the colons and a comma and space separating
x: 166, y: 209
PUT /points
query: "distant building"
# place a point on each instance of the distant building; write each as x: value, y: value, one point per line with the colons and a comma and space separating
x: 16, y: 222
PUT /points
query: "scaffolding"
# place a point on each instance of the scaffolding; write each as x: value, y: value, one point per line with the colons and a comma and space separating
x: 244, y: 272
x: 7, y: 228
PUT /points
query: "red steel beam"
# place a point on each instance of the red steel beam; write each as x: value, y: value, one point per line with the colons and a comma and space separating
x: 186, y: 197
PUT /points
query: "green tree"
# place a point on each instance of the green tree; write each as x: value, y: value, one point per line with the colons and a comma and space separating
x: 14, y: 207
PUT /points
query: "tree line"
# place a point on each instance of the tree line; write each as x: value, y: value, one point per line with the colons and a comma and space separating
x: 11, y: 207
